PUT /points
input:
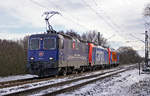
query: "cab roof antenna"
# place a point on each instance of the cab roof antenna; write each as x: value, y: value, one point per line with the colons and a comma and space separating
x: 48, y: 15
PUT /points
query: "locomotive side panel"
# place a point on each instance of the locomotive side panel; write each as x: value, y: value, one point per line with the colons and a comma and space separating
x: 109, y: 55
x: 117, y: 58
x: 63, y: 53
x: 106, y: 56
x: 74, y: 54
x: 91, y: 54
x: 78, y: 57
x: 114, y: 57
x: 98, y: 56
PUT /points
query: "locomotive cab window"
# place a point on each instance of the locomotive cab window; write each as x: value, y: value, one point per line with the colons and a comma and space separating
x: 49, y: 43
x: 34, y: 44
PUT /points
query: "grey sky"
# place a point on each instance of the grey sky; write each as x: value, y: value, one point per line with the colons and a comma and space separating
x: 119, y: 18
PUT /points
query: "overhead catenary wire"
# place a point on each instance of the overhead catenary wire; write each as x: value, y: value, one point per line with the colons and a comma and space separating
x: 105, y: 18
x: 118, y: 30
x: 108, y: 17
x: 38, y: 4
x: 137, y: 38
x: 69, y: 17
x: 100, y: 16
x: 95, y: 2
x: 62, y: 11
x: 116, y: 25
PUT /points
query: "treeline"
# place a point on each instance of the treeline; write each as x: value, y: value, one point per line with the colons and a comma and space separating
x: 13, y: 57
x: 91, y: 36
x: 129, y: 56
x: 13, y: 54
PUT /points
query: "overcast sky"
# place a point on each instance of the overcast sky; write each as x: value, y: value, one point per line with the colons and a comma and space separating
x: 119, y: 21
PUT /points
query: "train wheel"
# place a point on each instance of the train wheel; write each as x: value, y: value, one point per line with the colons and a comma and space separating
x: 69, y: 70
x: 56, y: 76
x: 82, y: 70
x: 76, y: 72
x: 65, y: 72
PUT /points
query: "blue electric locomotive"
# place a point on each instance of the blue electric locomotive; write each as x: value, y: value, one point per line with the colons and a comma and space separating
x: 43, y: 54
x: 51, y: 54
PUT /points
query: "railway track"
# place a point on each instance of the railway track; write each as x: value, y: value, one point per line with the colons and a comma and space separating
x: 68, y: 86
x: 53, y: 88
x: 28, y: 80
x: 21, y: 82
x: 14, y: 82
x: 31, y: 80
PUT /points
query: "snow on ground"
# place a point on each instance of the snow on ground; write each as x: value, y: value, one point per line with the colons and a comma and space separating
x: 19, y: 88
x: 16, y: 77
x: 128, y: 83
x: 26, y: 76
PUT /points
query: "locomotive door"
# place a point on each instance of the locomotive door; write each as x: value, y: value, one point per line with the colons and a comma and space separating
x: 61, y: 51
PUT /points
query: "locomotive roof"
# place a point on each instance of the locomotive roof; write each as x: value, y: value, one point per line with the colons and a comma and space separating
x: 55, y: 34
x: 101, y: 48
x: 42, y: 35
x: 65, y: 36
x: 72, y: 38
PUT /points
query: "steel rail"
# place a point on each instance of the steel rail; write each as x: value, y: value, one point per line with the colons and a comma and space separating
x: 39, y: 88
x: 36, y: 89
x: 73, y: 87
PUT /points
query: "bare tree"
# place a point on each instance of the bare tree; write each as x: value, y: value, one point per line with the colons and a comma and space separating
x: 128, y: 55
x: 73, y: 34
x: 92, y: 36
x: 147, y: 10
x: 11, y: 58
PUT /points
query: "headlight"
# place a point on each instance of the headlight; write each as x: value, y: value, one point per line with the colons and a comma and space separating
x: 32, y: 58
x: 51, y: 58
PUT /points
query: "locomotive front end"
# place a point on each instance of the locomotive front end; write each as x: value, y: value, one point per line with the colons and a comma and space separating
x: 43, y: 55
